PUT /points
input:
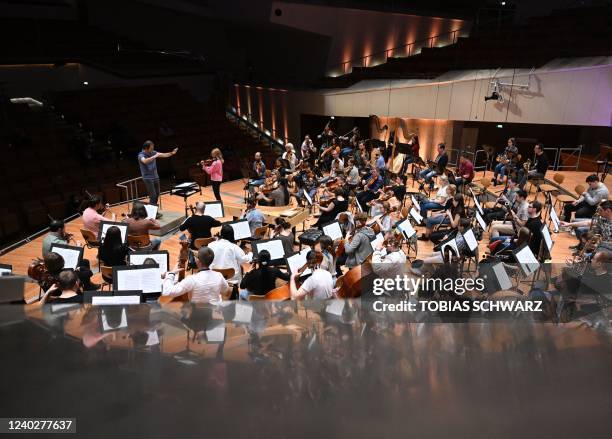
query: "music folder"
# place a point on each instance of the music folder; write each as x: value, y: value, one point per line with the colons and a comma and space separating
x: 526, y: 259
x: 214, y: 209
x: 333, y: 230
x: 146, y: 278
x: 470, y: 239
x: 241, y: 229
x: 161, y: 257
x: 72, y: 255
x: 297, y: 260
x: 406, y: 228
x: 6, y: 269
x: 113, y: 297
x: 104, y: 226
x: 274, y: 246
x: 151, y: 210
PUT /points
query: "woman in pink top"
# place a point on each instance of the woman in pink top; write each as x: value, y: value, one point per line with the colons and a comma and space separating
x: 91, y: 217
x: 215, y: 170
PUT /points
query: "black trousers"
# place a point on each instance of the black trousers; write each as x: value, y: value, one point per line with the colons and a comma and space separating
x: 216, y: 186
x: 364, y: 197
x: 582, y: 209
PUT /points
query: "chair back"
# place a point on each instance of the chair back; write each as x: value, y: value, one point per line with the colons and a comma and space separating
x: 405, y: 212
x: 107, y: 274
x: 559, y: 178
x: 90, y: 238
x: 261, y: 232
x: 201, y: 242
x: 579, y: 189
x: 227, y: 273
x: 280, y: 293
x: 138, y: 241
x: 485, y: 182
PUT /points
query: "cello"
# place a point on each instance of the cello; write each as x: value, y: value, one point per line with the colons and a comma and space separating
x: 181, y: 264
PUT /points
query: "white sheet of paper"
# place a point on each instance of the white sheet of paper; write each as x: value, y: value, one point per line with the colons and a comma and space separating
x: 481, y: 221
x: 415, y: 203
x: 307, y: 197
x: 555, y: 220
x: 335, y: 307
x: 160, y: 258
x: 122, y: 229
x: 502, y: 276
x: 107, y: 327
x: 477, y: 204
x: 186, y: 184
x: 333, y: 230
x: 151, y: 211
x: 470, y: 239
x: 374, y: 243
x: 416, y: 215
x: 406, y: 228
x: 147, y: 280
x: 115, y: 300
x: 241, y: 230
x: 71, y: 257
x: 359, y: 208
x: 547, y: 237
x: 214, y: 209
x: 216, y: 334
x: 275, y: 247
x: 153, y: 339
x: 527, y: 259
x: 297, y: 261
x: 5, y: 271
x: 452, y: 244
x: 244, y: 313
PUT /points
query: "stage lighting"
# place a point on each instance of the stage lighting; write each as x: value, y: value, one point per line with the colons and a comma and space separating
x: 333, y: 117
x: 85, y: 83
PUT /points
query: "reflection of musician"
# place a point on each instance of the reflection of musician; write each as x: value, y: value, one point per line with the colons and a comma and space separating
x: 539, y: 169
x: 198, y: 225
x: 358, y: 247
x: 370, y: 188
x: 508, y: 158
x: 215, y: 170
x: 440, y: 165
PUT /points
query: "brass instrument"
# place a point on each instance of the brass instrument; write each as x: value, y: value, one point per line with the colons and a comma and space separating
x: 581, y: 261
x: 527, y: 164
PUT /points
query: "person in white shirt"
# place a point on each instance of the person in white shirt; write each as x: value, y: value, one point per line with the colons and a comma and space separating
x: 290, y: 156
x: 444, y: 193
x: 203, y: 287
x: 228, y: 254
x: 319, y: 285
x: 389, y: 259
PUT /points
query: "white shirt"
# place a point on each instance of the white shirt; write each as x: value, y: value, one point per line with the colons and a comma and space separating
x: 394, y: 263
x: 292, y: 160
x: 203, y: 287
x: 229, y: 255
x: 442, y: 193
x: 319, y: 285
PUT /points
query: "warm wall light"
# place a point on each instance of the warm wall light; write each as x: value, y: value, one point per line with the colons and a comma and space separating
x: 85, y: 83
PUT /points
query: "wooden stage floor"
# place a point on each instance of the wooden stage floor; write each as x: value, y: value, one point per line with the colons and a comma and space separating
x: 232, y: 193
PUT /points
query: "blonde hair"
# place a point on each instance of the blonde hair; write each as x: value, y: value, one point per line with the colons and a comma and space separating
x: 217, y: 153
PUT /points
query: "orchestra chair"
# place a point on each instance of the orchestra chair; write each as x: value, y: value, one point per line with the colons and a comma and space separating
x: 90, y: 239
x: 563, y: 198
x: 261, y: 233
x: 548, y: 188
x: 481, y: 187
x: 202, y: 242
x: 107, y: 277
x: 138, y: 241
x: 277, y: 294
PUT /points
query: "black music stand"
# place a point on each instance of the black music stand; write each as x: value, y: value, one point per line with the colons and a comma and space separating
x: 186, y: 190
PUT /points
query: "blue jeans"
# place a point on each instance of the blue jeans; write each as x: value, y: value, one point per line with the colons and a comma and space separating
x: 155, y: 243
x: 434, y: 220
x: 152, y: 186
x: 257, y: 182
x: 581, y: 231
x: 428, y: 174
x: 427, y: 205
x: 500, y: 169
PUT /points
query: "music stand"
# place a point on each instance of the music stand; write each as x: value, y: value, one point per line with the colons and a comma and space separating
x: 185, y: 190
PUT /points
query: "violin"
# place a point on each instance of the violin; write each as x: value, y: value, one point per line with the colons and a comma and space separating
x: 207, y: 162
x: 326, y: 201
x: 38, y: 271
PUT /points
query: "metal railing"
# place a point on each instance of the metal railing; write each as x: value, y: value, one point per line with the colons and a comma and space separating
x: 402, y: 51
x: 131, y: 191
x: 483, y: 167
x: 572, y: 151
x: 246, y: 120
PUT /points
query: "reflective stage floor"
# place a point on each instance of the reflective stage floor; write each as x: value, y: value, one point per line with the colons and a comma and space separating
x: 289, y: 371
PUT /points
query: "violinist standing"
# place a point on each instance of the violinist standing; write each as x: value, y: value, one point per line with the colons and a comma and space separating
x: 214, y: 168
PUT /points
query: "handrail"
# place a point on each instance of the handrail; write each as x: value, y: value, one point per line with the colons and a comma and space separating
x: 262, y: 133
x: 409, y: 48
x: 131, y: 190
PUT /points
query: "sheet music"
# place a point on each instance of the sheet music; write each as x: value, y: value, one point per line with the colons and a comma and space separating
x: 527, y: 260
x: 148, y: 280
x: 555, y: 220
x: 216, y: 334
x: 481, y: 221
x: 416, y: 215
x: 379, y: 239
x: 122, y: 229
x: 275, y: 247
x: 307, y: 197
x: 214, y: 209
x: 161, y: 259
x: 407, y: 229
x: 115, y: 300
x: 502, y: 276
x: 244, y: 313
x: 452, y: 244
x: 241, y: 229
x: 547, y: 237
x: 333, y: 230
x: 186, y: 184
x: 297, y: 261
x: 71, y: 256
x: 335, y: 307
x: 107, y: 327
x: 5, y: 271
x: 470, y: 239
x: 153, y: 338
x: 415, y: 203
x: 151, y: 211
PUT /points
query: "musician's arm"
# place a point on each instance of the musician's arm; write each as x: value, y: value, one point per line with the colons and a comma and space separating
x: 171, y: 288
x: 585, y: 223
x: 165, y: 155
x: 329, y: 207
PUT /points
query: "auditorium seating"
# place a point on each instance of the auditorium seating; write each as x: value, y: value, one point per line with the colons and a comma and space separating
x: 44, y: 173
